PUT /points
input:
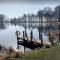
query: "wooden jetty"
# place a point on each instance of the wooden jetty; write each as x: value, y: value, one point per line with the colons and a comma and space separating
x: 30, y: 42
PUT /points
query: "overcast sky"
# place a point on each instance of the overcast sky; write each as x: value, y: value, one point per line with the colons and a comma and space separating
x: 18, y: 8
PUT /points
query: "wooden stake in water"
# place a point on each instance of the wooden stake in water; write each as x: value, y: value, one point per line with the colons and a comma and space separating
x: 17, y: 40
x: 26, y: 33
x: 31, y: 35
x: 41, y: 40
x: 49, y: 37
x: 23, y: 39
x: 39, y: 34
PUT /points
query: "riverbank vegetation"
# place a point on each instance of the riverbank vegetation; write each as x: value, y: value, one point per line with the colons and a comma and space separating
x: 37, y: 54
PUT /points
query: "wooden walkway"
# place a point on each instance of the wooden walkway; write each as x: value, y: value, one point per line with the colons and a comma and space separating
x: 32, y: 44
x: 34, y: 41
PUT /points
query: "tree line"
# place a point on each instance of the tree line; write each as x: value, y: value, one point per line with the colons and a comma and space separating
x: 46, y: 13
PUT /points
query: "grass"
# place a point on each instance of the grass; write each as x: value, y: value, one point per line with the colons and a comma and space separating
x: 44, y: 54
x: 40, y: 54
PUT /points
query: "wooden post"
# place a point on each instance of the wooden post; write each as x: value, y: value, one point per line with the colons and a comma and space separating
x: 41, y: 40
x: 49, y: 37
x: 18, y: 44
x: 23, y: 39
x: 17, y: 40
x: 26, y: 33
x: 31, y: 35
x: 17, y: 36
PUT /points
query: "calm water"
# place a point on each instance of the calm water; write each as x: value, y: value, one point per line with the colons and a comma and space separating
x: 8, y: 37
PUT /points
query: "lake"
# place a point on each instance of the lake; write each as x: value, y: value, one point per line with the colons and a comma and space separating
x: 8, y: 37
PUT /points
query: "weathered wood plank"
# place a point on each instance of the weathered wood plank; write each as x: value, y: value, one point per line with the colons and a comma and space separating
x: 34, y: 41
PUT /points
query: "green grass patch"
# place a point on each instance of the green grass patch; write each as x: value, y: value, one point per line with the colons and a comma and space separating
x: 43, y: 54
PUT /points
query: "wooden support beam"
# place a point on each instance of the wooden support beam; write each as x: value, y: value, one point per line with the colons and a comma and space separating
x: 49, y: 37
x: 23, y: 40
x: 17, y: 40
x: 25, y: 32
x: 18, y: 44
x: 41, y: 40
x: 30, y: 42
x: 31, y: 35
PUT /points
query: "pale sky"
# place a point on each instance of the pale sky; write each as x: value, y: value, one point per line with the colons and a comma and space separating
x: 18, y: 9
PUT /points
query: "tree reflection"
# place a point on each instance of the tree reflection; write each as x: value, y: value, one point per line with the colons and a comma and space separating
x: 2, y: 26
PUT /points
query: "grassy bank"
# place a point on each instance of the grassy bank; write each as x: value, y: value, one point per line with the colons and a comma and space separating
x: 41, y: 54
x: 45, y: 54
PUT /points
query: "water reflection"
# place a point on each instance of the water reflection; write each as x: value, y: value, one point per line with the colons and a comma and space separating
x: 2, y: 26
x: 44, y: 27
x: 8, y: 37
x: 26, y: 25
